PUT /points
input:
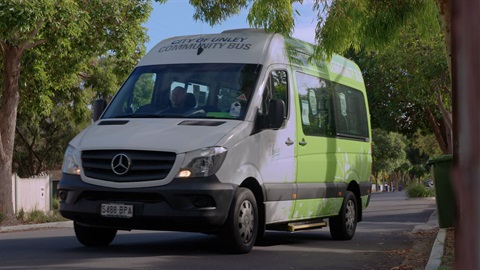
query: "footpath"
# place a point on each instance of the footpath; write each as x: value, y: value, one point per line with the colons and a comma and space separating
x: 28, y: 227
x: 434, y: 260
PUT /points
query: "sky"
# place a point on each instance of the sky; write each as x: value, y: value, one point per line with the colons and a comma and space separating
x: 175, y: 18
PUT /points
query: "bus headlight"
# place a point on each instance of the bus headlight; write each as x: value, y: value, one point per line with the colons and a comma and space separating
x: 203, y: 162
x: 71, y: 161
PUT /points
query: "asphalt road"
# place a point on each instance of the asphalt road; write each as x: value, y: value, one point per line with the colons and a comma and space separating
x: 387, y: 222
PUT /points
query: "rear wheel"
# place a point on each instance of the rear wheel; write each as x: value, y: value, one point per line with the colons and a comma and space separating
x: 343, y: 226
x: 94, y: 237
x: 240, y: 229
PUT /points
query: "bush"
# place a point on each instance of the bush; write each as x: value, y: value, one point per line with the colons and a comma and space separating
x: 420, y: 191
x: 37, y: 216
x: 2, y: 217
x: 55, y: 203
x: 21, y: 214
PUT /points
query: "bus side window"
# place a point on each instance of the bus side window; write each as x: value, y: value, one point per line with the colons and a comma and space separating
x: 276, y: 88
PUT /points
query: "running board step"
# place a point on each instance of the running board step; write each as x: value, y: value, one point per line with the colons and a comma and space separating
x: 297, y: 226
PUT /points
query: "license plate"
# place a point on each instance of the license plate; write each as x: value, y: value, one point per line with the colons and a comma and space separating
x: 117, y: 210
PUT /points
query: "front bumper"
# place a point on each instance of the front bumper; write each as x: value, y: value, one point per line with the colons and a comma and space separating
x: 198, y: 204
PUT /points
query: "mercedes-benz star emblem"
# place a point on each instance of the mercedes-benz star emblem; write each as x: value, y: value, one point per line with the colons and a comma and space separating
x: 120, y: 164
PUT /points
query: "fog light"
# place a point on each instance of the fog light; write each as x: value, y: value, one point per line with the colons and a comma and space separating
x: 62, y: 194
x: 203, y: 201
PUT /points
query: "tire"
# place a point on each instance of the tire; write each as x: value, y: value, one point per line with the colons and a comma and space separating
x: 343, y: 226
x: 239, y: 232
x: 94, y: 237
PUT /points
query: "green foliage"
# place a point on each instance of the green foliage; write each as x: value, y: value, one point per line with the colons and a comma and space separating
x: 371, y: 25
x: 419, y: 191
x: 426, y: 144
x: 418, y: 171
x: 388, y: 151
x: 216, y: 11
x: 21, y: 214
x: 55, y: 203
x: 2, y: 217
x: 143, y: 90
x: 267, y: 14
x: 106, y: 76
x: 37, y: 216
x: 41, y: 140
x: 79, y: 32
x: 272, y: 15
x: 24, y: 18
x: 358, y: 24
x: 403, y: 80
x: 68, y: 51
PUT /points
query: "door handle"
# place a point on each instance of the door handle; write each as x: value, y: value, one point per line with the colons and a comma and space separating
x: 289, y: 142
x: 303, y: 142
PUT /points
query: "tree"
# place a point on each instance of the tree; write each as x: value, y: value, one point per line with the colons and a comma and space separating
x: 46, y: 45
x: 465, y: 18
x: 409, y: 87
x: 388, y: 152
x: 41, y: 140
x: 341, y: 24
x: 359, y: 24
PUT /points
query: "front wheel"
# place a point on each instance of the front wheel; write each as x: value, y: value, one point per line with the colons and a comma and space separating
x: 240, y: 229
x: 343, y: 226
x: 94, y: 237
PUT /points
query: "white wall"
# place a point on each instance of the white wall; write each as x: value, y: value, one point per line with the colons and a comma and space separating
x: 31, y: 193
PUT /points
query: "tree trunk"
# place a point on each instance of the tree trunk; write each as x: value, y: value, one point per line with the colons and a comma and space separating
x: 466, y: 86
x: 445, y: 8
x: 383, y: 182
x: 447, y: 119
x: 436, y: 127
x: 8, y: 117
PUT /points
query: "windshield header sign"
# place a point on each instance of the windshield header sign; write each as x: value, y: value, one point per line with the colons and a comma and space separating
x: 201, y: 43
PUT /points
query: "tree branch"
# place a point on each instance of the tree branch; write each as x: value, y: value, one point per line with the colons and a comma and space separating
x: 36, y: 43
x: 436, y: 130
x: 29, y: 146
x: 30, y: 36
x: 447, y: 118
x: 446, y: 115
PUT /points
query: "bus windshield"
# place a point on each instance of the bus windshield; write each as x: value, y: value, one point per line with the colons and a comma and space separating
x: 185, y: 91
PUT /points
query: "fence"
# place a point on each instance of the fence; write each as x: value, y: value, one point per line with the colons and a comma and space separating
x: 31, y: 193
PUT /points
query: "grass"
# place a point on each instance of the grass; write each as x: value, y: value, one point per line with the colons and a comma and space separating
x: 33, y: 217
x: 38, y: 216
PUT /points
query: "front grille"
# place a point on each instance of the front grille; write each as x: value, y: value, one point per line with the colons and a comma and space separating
x: 144, y: 165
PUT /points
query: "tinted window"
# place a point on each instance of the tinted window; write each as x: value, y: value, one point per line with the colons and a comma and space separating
x: 212, y: 91
x: 276, y: 88
x: 350, y: 112
x: 330, y: 109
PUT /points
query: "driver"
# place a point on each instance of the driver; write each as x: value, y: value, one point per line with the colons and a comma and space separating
x: 177, y: 97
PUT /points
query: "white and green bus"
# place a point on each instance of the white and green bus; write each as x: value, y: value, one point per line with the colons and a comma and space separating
x: 264, y: 140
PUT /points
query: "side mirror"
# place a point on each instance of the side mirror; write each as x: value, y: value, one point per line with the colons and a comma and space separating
x: 276, y: 113
x: 98, y: 107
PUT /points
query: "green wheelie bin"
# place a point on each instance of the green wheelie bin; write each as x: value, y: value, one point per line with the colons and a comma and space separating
x: 442, y: 168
